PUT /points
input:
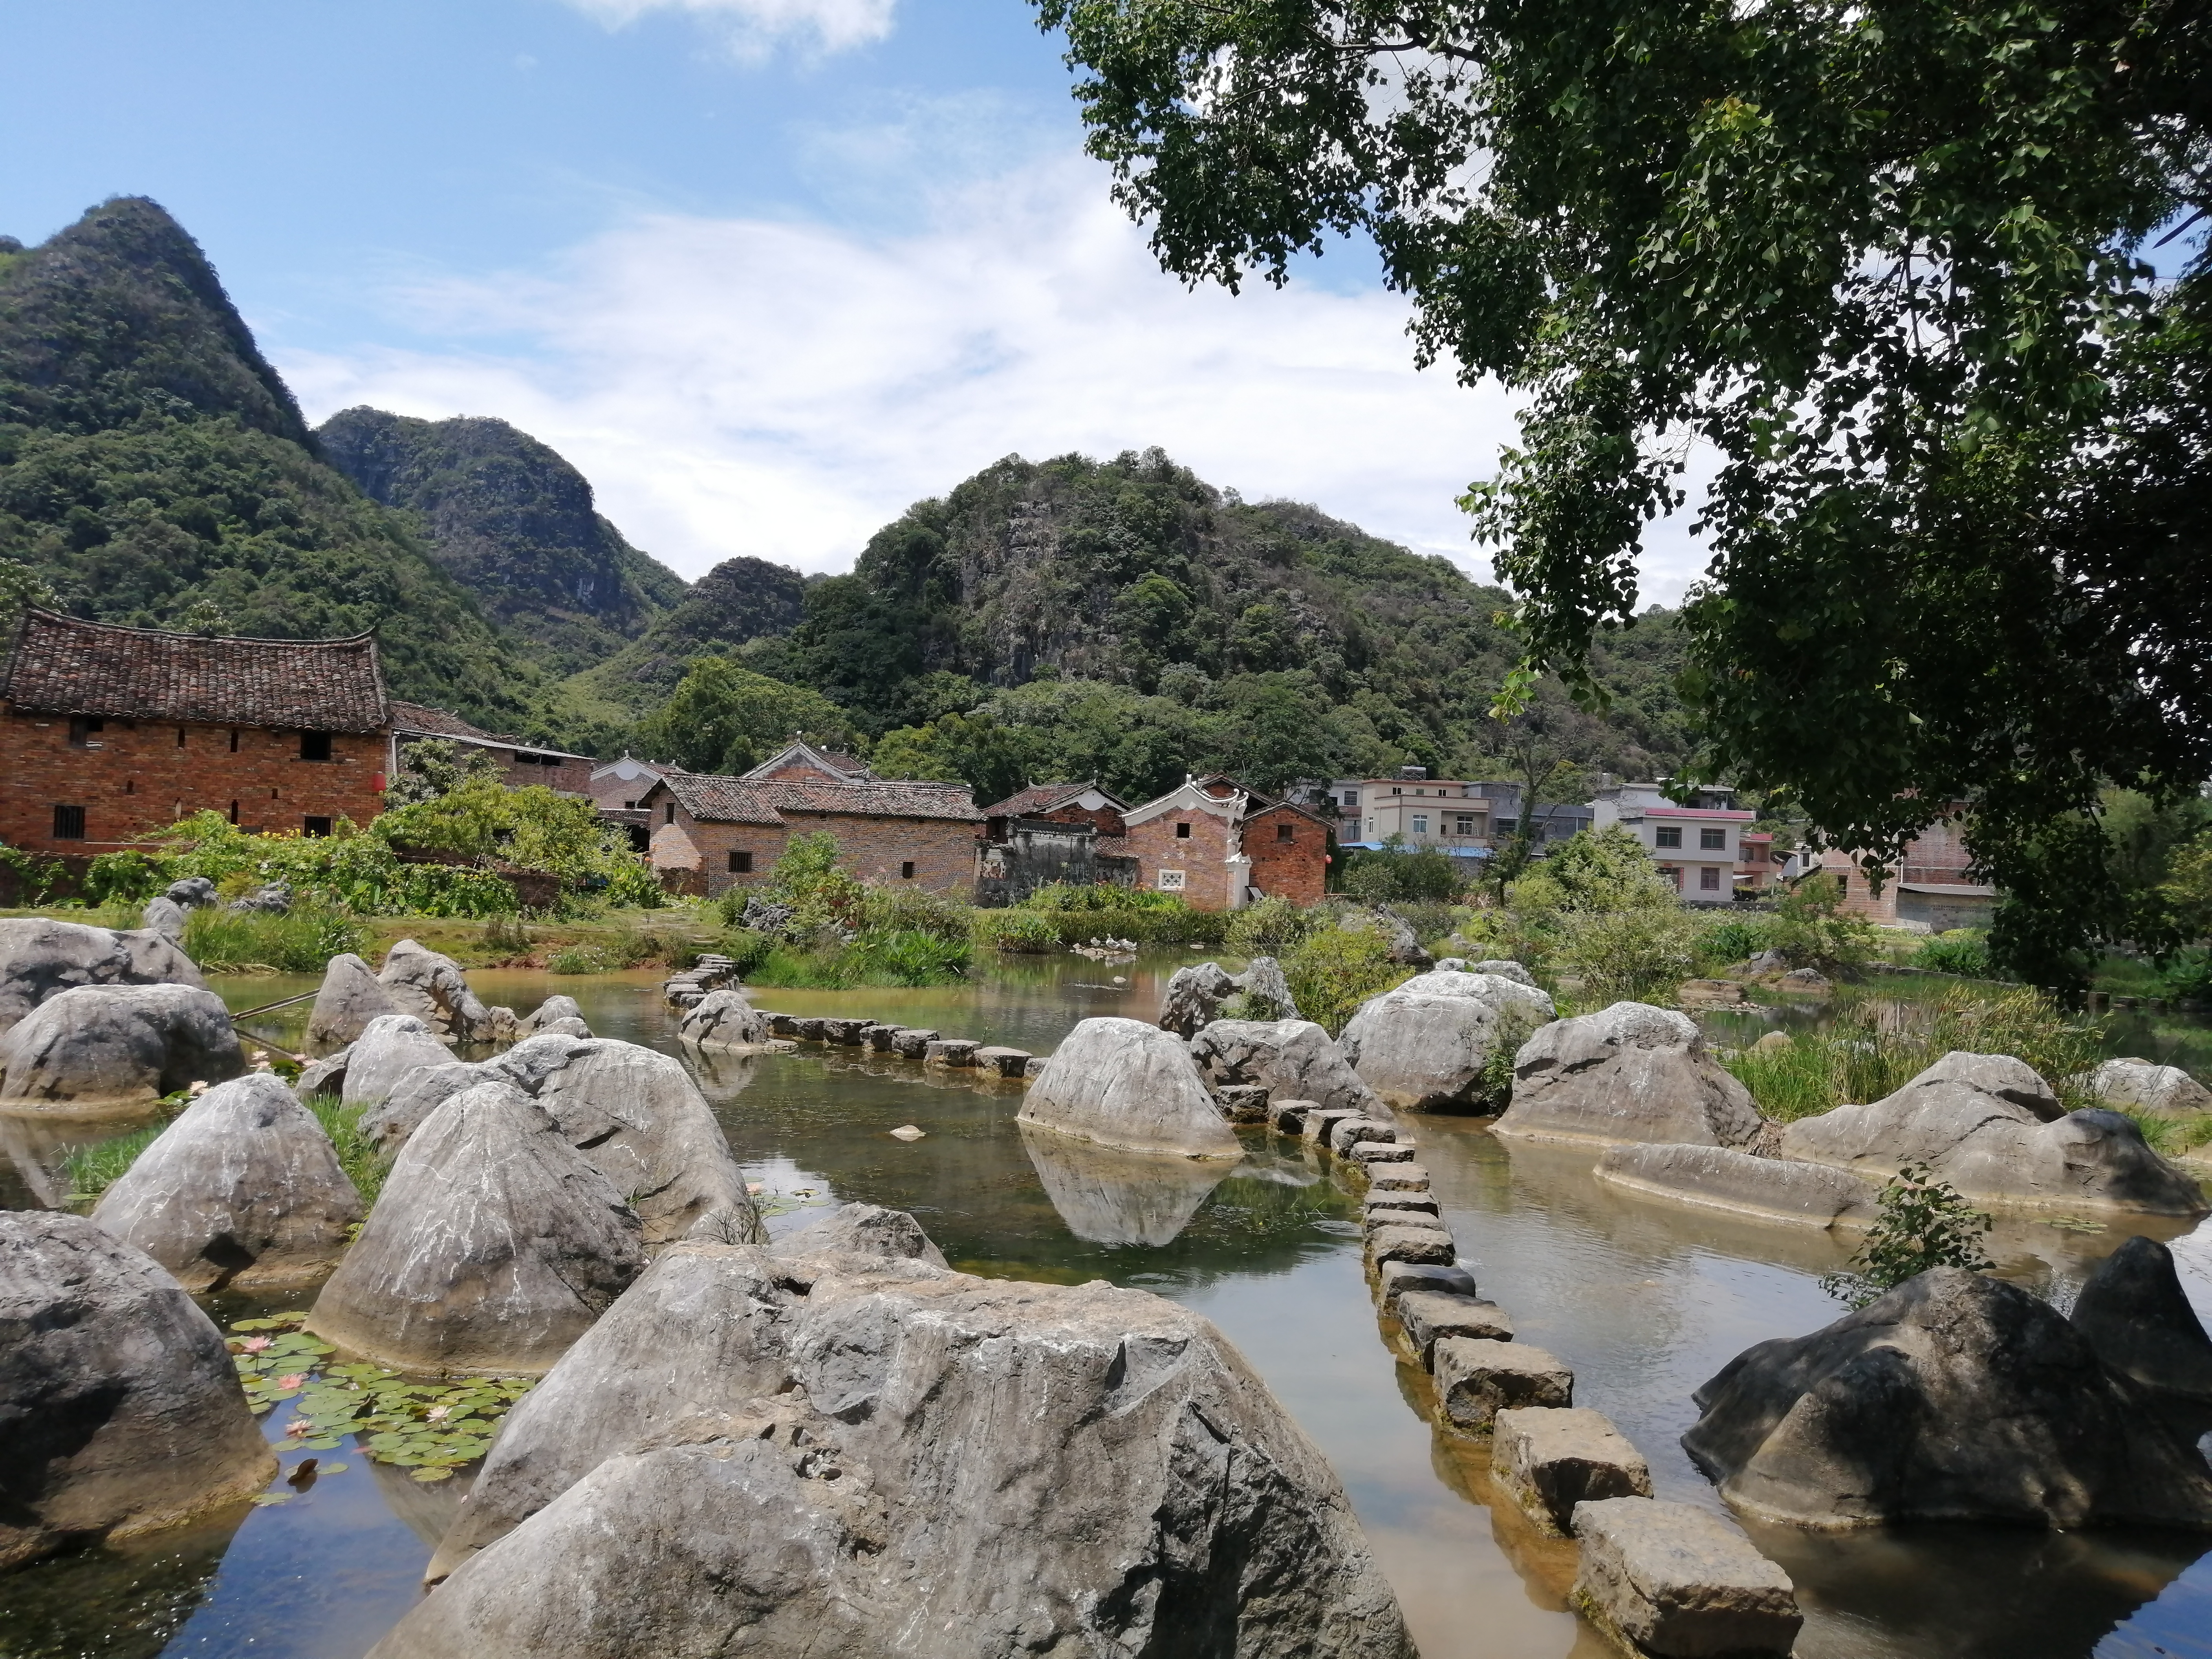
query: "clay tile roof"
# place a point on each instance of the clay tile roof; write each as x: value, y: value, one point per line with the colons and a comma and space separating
x: 721, y: 800
x: 64, y: 666
x: 1042, y: 798
x: 419, y: 721
x: 876, y: 798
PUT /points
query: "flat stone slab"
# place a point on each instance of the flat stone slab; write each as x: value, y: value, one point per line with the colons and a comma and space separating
x: 1006, y: 1062
x: 1399, y: 1277
x: 1477, y: 1377
x: 1679, y: 1583
x: 911, y: 1041
x: 1372, y: 1152
x: 1720, y: 1178
x: 1398, y: 1178
x: 1374, y: 1220
x: 949, y: 1051
x: 808, y: 1028
x: 1429, y: 1317
x: 1401, y: 1204
x: 1407, y: 1243
x: 1243, y: 1103
x: 783, y: 1025
x: 879, y: 1037
x: 1289, y: 1116
x: 846, y: 1032
x: 1550, y: 1458
x: 1321, y: 1120
x: 1348, y: 1132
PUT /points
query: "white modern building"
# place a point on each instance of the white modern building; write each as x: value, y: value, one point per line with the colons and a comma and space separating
x: 1696, y: 848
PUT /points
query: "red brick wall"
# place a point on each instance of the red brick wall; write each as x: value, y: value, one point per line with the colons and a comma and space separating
x: 942, y: 851
x: 1107, y: 820
x: 1296, y: 869
x: 1207, y: 878
x: 570, y: 777
x: 140, y: 778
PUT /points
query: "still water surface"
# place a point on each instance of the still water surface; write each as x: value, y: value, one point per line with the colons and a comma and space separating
x: 1644, y: 1300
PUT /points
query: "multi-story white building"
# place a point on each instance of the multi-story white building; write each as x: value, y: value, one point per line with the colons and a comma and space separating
x: 1697, y: 848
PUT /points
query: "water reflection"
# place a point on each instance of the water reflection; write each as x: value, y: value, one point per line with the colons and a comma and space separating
x: 123, y: 1602
x: 1112, y: 1197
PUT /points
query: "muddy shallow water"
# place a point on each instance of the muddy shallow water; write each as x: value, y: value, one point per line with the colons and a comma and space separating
x: 1644, y: 1300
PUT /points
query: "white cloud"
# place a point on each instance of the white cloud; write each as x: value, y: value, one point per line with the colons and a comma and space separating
x: 755, y: 27
x: 783, y: 389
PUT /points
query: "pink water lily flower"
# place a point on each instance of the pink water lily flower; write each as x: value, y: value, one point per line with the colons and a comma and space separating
x: 299, y: 1425
x: 439, y: 1414
x: 256, y: 1344
x: 291, y: 1381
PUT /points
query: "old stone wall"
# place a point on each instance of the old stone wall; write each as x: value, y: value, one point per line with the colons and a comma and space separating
x: 694, y: 857
x: 1037, y: 851
x: 132, y: 777
x: 1296, y: 868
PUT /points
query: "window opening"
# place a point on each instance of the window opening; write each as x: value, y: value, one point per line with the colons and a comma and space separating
x: 1713, y: 841
x: 906, y: 871
x: 314, y: 828
x: 234, y: 740
x: 1182, y: 832
x: 314, y: 745
x: 741, y: 863
x: 1667, y: 835
x: 1285, y: 832
x: 83, y: 729
x: 68, y: 824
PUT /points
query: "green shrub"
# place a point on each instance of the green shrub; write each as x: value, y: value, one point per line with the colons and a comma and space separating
x: 1334, y: 971
x: 1920, y: 1223
x: 905, y: 909
x: 1431, y: 922
x: 1271, y: 927
x: 1731, y: 939
x: 1394, y: 875
x: 1962, y: 950
x: 127, y: 877
x: 505, y: 936
x: 1811, y: 929
x: 1101, y: 895
x: 2187, y: 974
x: 747, y: 947
x: 909, y: 955
x: 578, y: 959
x: 301, y: 941
x: 1025, y: 931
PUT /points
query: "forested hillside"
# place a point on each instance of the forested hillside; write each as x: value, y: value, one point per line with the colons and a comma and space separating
x: 738, y: 601
x: 154, y: 470
x: 515, y: 524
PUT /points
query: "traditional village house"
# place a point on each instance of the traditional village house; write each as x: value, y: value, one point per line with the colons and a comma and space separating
x: 1222, y: 846
x: 1051, y: 832
x: 710, y: 833
x: 800, y: 761
x: 1929, y: 888
x: 521, y: 762
x: 112, y: 733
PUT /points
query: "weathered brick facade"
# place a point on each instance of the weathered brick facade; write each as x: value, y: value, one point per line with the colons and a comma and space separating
x: 131, y: 777
x: 1216, y: 842
x: 523, y: 764
x: 1289, y: 850
x: 699, y: 823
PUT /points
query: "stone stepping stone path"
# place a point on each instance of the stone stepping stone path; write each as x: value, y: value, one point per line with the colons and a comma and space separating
x: 1658, y: 1578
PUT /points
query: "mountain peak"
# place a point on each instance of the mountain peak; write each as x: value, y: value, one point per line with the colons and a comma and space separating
x: 121, y: 312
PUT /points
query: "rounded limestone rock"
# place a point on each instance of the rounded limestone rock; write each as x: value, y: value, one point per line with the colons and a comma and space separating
x: 1122, y: 1083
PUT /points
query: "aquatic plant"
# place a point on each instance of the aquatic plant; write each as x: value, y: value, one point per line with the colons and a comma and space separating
x: 432, y: 1428
x: 1920, y: 1222
x: 1335, y: 970
x: 578, y: 959
x: 91, y: 1169
x: 365, y: 1164
x: 1017, y: 930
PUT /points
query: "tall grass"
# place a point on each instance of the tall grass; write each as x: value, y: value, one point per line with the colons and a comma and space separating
x: 1877, y: 1046
x: 908, y: 956
x: 365, y: 1166
x: 93, y: 1169
x: 301, y: 941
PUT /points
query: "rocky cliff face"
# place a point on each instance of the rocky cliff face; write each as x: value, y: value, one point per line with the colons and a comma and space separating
x: 515, y: 523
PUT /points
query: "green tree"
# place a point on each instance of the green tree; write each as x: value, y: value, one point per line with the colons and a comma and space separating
x: 722, y: 718
x: 1885, y: 264
x: 1920, y: 1222
x: 433, y: 767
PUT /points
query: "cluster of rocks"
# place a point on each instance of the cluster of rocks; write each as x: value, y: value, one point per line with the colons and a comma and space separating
x: 924, y: 1043
x: 1639, y: 1083
x: 828, y: 1447
x: 1667, y: 1578
x: 416, y: 981
x: 98, y: 1022
x: 1107, y: 950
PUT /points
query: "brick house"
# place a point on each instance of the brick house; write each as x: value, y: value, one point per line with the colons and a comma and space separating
x: 522, y: 763
x: 1929, y: 888
x: 1221, y: 846
x: 1051, y: 832
x: 801, y: 762
x: 711, y: 834
x: 108, y: 732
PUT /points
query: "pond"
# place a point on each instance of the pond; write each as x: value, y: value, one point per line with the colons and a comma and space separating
x: 1644, y: 1300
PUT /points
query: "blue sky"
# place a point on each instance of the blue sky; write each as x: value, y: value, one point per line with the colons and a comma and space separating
x: 766, y: 270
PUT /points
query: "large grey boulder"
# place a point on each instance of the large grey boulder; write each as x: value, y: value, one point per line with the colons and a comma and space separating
x: 420, y: 1091
x: 1112, y: 1197
x: 1722, y: 1178
x: 2149, y: 1087
x: 1428, y: 1043
x: 1194, y: 996
x: 1954, y: 1397
x: 1992, y: 1128
x: 2135, y: 1314
x: 494, y: 1245
x: 553, y: 1009
x: 120, y: 1412
x: 350, y: 997
x: 380, y: 1060
x: 866, y: 1230
x: 243, y: 1191
x: 1122, y: 1083
x: 724, y: 1019
x: 1291, y: 1059
x: 435, y: 991
x: 1628, y: 1073
x: 40, y: 958
x: 108, y: 1048
x: 850, y: 1456
x: 1265, y: 990
x: 1396, y: 933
